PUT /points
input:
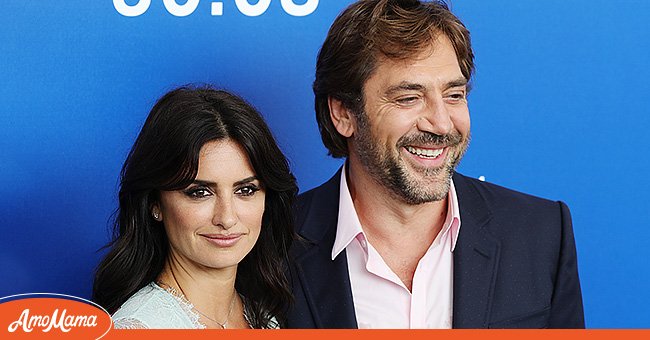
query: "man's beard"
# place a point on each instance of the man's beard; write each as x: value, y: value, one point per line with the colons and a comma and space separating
x: 392, y: 172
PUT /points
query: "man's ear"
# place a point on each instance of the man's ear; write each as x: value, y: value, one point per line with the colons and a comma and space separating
x: 341, y: 117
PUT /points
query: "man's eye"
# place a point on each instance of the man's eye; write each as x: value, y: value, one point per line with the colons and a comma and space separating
x: 457, y: 96
x: 248, y: 190
x: 407, y: 100
x: 198, y: 192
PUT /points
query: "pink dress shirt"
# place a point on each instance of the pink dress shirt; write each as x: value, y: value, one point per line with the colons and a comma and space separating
x: 381, y: 300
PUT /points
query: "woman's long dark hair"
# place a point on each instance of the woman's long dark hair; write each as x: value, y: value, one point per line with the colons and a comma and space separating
x: 165, y: 156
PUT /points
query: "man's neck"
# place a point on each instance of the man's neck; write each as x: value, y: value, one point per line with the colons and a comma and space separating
x: 381, y: 211
x: 401, y: 232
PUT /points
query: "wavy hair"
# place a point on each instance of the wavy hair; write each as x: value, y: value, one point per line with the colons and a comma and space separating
x: 369, y: 30
x: 165, y: 156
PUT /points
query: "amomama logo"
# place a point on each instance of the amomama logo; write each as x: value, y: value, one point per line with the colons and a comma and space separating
x: 45, y: 315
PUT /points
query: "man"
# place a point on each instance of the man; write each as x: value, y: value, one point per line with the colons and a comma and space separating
x: 397, y: 239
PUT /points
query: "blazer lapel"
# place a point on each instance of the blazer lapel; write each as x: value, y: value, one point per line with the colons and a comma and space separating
x: 325, y: 283
x: 476, y: 259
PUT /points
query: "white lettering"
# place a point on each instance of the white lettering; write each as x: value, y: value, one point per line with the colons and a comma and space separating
x: 216, y: 8
x: 46, y: 322
x: 252, y: 10
x: 91, y: 321
x: 181, y: 10
x: 131, y: 11
x: 299, y: 10
x: 69, y: 321
x: 48, y: 325
x: 22, y: 320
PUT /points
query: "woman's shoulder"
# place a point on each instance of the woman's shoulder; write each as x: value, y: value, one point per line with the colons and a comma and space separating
x: 154, y: 307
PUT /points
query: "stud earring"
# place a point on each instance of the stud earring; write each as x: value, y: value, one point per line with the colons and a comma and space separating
x: 156, y: 216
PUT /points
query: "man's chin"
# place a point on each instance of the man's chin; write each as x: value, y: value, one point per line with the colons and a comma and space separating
x: 425, y: 190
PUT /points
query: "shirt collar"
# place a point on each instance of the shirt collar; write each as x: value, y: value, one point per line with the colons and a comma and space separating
x: 453, y: 215
x: 348, y: 225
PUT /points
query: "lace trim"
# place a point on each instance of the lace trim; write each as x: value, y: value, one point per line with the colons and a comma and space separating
x: 189, y: 309
x: 129, y: 323
x: 186, y: 305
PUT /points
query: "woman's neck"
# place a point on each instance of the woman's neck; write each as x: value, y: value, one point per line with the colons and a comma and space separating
x: 211, y: 291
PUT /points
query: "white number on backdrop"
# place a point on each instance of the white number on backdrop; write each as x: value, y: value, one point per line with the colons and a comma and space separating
x: 308, y: 7
x: 252, y: 10
x: 131, y: 11
x: 299, y: 10
x: 181, y: 10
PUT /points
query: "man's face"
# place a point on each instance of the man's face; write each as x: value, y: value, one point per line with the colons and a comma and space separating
x: 415, y: 128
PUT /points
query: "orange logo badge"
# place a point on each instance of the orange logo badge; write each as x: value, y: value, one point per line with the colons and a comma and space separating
x: 45, y: 315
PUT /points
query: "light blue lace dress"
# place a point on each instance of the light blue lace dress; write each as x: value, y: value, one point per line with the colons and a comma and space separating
x: 155, y: 307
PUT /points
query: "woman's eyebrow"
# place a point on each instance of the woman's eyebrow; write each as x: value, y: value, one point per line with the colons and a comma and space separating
x: 246, y: 180
x: 213, y: 184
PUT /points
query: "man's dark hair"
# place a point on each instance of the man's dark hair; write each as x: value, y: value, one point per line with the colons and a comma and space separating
x: 371, y: 29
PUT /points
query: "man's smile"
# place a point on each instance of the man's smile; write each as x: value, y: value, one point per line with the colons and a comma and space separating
x: 424, y: 152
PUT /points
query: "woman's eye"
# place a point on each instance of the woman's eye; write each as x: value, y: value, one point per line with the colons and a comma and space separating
x: 248, y: 190
x: 198, y: 192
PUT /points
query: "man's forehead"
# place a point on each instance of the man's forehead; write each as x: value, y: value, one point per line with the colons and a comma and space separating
x: 438, y: 45
x: 436, y: 61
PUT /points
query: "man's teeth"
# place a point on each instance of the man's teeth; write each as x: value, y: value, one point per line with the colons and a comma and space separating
x: 428, y: 153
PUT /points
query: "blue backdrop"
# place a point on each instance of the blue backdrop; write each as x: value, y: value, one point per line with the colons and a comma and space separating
x: 559, y: 109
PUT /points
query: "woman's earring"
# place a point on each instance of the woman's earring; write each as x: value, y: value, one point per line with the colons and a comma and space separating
x: 156, y: 216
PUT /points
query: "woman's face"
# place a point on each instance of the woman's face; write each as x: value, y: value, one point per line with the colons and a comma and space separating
x: 216, y: 220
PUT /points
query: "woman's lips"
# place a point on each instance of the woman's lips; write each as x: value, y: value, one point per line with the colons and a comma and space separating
x: 223, y: 240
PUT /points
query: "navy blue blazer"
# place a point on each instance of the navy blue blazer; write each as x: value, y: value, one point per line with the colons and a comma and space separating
x: 514, y: 262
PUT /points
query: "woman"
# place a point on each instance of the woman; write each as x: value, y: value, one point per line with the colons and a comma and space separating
x: 204, y: 220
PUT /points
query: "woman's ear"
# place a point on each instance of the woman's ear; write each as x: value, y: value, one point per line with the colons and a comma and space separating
x: 156, y: 213
x: 341, y: 117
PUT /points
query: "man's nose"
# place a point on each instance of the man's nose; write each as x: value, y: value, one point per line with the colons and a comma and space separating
x: 435, y: 118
